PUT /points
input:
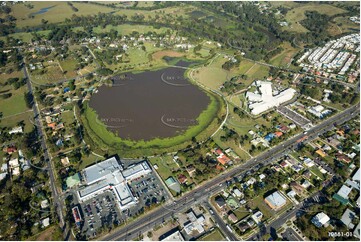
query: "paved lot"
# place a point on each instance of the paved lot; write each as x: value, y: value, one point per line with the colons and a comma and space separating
x: 295, y: 117
x: 98, y: 212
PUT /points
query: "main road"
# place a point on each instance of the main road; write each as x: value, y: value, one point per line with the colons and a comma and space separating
x: 58, y: 203
x: 201, y: 193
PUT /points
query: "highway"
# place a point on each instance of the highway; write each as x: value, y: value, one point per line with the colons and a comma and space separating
x: 202, y: 192
x: 58, y: 204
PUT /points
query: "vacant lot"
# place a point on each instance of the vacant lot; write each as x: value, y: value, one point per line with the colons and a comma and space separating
x: 295, y: 15
x: 14, y: 104
x: 284, y: 58
x: 215, y: 235
x: 342, y: 25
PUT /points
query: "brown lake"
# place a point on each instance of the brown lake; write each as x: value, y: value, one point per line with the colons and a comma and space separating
x: 150, y: 104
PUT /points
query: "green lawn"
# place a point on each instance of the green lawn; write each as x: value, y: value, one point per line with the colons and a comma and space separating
x: 164, y: 166
x: 15, y: 104
x: 258, y: 203
x: 317, y: 172
x: 215, y: 235
x: 241, y: 213
x: 13, y: 121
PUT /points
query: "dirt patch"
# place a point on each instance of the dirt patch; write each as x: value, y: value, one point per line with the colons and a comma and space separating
x: 160, y: 54
x: 46, y: 235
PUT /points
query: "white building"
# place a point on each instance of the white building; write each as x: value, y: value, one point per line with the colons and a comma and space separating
x: 321, y: 219
x: 264, y: 100
x: 176, y: 236
x: 344, y: 191
x: 110, y: 175
x: 257, y: 217
x: 16, y: 130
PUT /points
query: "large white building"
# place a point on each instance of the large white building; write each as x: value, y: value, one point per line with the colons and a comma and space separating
x: 110, y: 175
x: 263, y: 99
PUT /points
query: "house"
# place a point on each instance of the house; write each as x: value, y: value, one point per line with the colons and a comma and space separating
x: 308, y: 162
x: 243, y: 226
x: 10, y: 149
x: 343, y: 158
x: 65, y: 161
x: 222, y: 158
x: 182, y: 179
x: 174, y: 236
x: 298, y: 188
x: 16, y: 130
x: 321, y: 219
x: 276, y: 200
x: 195, y: 223
x: 348, y: 217
x: 237, y: 192
x: 257, y: 217
x: 321, y: 153
x: 292, y: 126
x: 73, y: 180
x: 278, y: 134
x: 344, y: 192
x: 306, y: 184
x: 251, y: 181
x: 232, y: 217
x: 44, y: 204
x: 221, y: 203
x: 284, y: 128
x: 284, y: 164
x: 262, y: 176
x: 45, y: 222
x: 291, y: 194
x: 14, y: 163
x: 356, y: 176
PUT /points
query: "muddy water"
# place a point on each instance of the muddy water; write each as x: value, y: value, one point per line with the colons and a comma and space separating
x: 150, y: 104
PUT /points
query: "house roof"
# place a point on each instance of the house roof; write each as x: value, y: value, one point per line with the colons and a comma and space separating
x: 220, y: 201
x: 344, y: 191
x: 278, y: 133
x: 320, y: 219
x: 356, y: 176
x: 276, y: 200
x: 347, y: 218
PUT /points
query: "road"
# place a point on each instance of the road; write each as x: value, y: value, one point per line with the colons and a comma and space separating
x: 58, y: 204
x: 202, y: 192
x: 220, y: 223
x: 291, y: 235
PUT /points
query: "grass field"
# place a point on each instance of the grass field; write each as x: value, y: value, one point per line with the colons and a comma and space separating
x: 165, y: 166
x: 241, y: 213
x: 52, y: 74
x: 317, y: 172
x: 14, y: 104
x: 215, y: 235
x: 126, y: 29
x: 284, y: 58
x: 4, y: 76
x: 57, y: 13
x: 295, y: 15
x: 342, y: 25
x: 258, y: 203
x: 212, y: 76
x: 13, y: 121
